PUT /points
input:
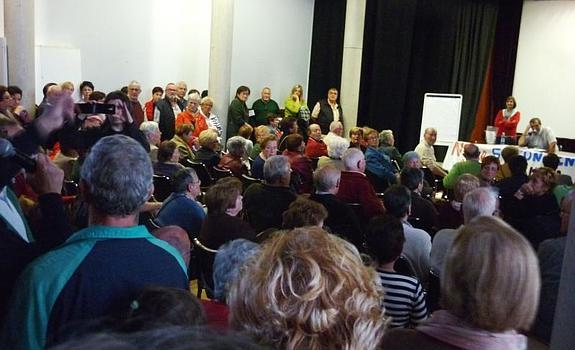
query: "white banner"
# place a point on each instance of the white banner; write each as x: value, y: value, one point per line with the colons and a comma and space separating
x: 534, y: 156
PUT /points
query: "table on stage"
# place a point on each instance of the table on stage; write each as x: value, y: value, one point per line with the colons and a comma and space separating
x: 534, y: 156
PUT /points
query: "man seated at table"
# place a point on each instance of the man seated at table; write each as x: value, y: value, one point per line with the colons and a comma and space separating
x: 427, y: 153
x: 537, y: 136
x: 470, y: 165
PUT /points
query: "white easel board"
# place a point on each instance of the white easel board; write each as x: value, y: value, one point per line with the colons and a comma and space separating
x: 442, y: 112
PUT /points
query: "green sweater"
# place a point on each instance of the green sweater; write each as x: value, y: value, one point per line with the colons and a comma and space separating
x: 237, y: 116
x: 292, y: 107
x: 472, y: 167
x: 262, y: 110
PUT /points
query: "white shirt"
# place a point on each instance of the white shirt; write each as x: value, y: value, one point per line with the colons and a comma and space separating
x: 427, y: 154
x: 335, y: 110
x: 9, y: 212
x: 542, y: 139
x: 417, y: 249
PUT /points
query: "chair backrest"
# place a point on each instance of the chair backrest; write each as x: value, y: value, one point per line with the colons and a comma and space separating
x: 199, y: 244
x: 404, y: 266
x: 248, y: 180
x: 433, y: 291
x: 162, y: 187
x: 219, y: 173
x: 202, y: 172
x: 70, y: 188
x: 379, y: 184
x: 314, y: 161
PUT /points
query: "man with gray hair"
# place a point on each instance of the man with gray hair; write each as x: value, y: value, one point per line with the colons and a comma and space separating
x: 181, y: 90
x: 341, y: 219
x: 481, y: 201
x: 134, y: 90
x: 102, y: 268
x: 354, y: 186
x: 153, y: 134
x: 169, y: 108
x: 181, y: 208
x: 265, y: 202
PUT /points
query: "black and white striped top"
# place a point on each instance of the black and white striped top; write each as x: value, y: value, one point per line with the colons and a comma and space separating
x: 404, y: 299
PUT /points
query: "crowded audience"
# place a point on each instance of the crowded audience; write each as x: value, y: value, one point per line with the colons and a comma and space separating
x: 295, y: 236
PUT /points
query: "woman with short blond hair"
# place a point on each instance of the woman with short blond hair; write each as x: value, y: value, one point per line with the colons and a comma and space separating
x: 308, y: 289
x: 489, y: 291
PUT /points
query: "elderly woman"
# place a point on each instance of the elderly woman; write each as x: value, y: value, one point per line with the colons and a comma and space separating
x: 296, y: 296
x: 356, y: 138
x: 387, y: 145
x: 377, y: 162
x: 234, y: 159
x: 224, y: 202
x: 489, y: 168
x: 260, y: 133
x: 486, y: 297
x: 222, y: 224
x: 206, y: 106
x: 153, y: 134
x: 336, y: 147
x: 192, y: 111
x: 229, y: 260
x: 209, y: 147
x: 183, y: 138
x: 238, y: 111
x: 168, y: 159
x: 269, y: 147
x: 535, y: 211
x: 300, y: 163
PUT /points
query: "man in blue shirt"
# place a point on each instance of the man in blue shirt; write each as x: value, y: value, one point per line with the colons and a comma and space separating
x: 99, y: 270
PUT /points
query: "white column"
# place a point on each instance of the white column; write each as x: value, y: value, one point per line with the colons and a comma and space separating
x: 19, y: 29
x: 351, y: 65
x: 221, y: 58
x: 563, y: 337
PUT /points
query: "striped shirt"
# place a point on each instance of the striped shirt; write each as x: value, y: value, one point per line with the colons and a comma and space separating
x: 404, y: 299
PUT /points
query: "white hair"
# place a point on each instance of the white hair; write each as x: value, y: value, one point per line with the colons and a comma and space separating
x: 351, y: 157
x: 336, y: 146
x: 481, y: 201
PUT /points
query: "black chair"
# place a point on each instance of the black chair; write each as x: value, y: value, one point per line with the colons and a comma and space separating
x: 403, y: 266
x: 162, y: 187
x: 314, y: 161
x: 202, y: 172
x: 433, y: 291
x: 70, y: 188
x: 248, y: 180
x: 204, y: 257
x: 219, y: 173
x: 379, y: 184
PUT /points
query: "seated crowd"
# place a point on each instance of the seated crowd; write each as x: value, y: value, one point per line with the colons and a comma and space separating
x: 300, y: 237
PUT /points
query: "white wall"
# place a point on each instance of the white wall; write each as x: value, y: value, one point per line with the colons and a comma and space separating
x: 152, y: 41
x: 545, y: 69
x: 271, y: 46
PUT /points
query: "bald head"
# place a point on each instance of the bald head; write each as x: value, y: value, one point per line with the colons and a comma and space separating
x: 326, y: 179
x: 471, y: 151
x: 354, y: 160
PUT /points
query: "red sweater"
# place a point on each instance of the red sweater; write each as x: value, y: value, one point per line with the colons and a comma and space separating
x: 315, y: 149
x: 509, y: 126
x: 355, y: 187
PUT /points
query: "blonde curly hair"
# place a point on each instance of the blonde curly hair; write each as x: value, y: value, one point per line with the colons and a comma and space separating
x: 309, y: 290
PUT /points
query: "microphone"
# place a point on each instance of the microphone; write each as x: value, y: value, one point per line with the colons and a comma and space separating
x: 8, y: 151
